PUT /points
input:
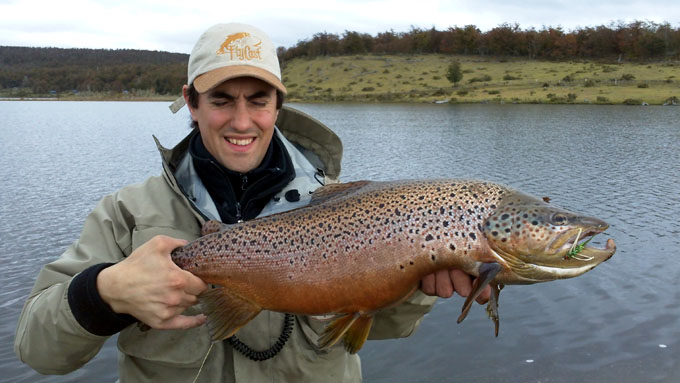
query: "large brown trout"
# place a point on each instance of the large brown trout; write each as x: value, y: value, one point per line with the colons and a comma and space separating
x: 364, y: 246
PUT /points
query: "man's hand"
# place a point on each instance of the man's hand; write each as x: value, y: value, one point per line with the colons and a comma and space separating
x: 150, y: 287
x: 444, y: 283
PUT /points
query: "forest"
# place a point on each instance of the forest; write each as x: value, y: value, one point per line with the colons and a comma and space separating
x: 637, y: 40
x: 37, y: 71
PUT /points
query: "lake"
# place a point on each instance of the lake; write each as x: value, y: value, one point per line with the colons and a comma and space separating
x: 620, y: 322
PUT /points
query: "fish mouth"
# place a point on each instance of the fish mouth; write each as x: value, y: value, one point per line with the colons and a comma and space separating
x: 573, y: 246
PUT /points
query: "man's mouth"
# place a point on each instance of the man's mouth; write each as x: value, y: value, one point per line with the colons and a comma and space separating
x: 241, y: 141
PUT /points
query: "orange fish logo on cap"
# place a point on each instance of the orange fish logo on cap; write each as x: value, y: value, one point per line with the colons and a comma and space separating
x: 237, y: 45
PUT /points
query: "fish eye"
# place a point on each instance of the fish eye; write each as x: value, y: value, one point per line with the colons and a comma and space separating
x: 559, y: 219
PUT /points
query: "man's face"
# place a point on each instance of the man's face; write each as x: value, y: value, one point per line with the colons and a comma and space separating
x: 236, y: 120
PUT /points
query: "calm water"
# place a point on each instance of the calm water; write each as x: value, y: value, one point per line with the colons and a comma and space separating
x: 619, y: 322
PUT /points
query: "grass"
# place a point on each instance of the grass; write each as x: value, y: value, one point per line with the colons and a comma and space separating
x: 422, y: 78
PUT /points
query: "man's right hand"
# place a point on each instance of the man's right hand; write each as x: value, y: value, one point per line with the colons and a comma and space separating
x: 150, y: 287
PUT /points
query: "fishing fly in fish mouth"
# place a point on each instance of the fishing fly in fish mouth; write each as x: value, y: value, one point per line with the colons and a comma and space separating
x: 361, y: 247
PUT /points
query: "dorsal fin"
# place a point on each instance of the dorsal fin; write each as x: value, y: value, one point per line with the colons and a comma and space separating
x: 212, y: 226
x: 333, y: 191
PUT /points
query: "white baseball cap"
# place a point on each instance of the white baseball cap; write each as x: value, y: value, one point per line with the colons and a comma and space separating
x: 227, y: 51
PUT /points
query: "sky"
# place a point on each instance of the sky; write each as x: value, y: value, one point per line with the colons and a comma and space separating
x: 174, y: 26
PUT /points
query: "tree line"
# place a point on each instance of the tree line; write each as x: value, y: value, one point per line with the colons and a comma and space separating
x: 636, y: 40
x: 44, y: 70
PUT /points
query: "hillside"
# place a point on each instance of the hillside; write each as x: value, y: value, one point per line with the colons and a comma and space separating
x: 97, y: 74
x: 422, y: 78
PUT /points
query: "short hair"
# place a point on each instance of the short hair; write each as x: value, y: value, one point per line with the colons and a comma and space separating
x: 192, y: 95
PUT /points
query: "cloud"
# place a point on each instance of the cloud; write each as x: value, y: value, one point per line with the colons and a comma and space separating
x: 174, y: 25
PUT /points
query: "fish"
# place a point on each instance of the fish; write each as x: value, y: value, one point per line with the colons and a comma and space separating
x: 364, y: 246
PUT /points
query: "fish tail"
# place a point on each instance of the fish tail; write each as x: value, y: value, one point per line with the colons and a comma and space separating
x: 227, y: 312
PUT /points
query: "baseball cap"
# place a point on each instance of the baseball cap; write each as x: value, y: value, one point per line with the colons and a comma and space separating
x: 227, y: 51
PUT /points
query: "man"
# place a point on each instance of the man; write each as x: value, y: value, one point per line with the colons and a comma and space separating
x: 235, y: 165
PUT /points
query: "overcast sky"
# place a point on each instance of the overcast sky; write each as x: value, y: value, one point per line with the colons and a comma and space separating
x: 174, y: 26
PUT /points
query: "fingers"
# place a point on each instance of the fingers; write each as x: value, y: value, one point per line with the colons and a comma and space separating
x: 438, y: 284
x: 444, y: 283
x: 165, y: 244
x: 194, y: 285
x: 461, y: 281
x: 427, y: 285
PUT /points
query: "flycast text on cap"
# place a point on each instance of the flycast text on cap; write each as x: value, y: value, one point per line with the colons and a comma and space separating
x: 238, y: 45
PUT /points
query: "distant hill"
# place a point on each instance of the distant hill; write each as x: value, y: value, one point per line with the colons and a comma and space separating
x: 45, y: 70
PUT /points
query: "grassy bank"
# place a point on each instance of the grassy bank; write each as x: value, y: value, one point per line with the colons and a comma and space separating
x: 423, y: 79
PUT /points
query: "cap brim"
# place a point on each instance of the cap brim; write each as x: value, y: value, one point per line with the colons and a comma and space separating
x: 209, y: 80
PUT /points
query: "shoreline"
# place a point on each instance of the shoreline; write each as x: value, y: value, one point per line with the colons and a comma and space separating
x: 347, y: 101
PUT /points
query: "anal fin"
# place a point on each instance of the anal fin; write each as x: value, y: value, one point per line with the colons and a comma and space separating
x: 227, y: 312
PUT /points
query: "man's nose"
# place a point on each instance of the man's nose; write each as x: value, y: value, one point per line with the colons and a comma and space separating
x: 241, y: 118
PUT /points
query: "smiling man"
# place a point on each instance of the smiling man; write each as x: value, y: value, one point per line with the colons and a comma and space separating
x: 245, y: 157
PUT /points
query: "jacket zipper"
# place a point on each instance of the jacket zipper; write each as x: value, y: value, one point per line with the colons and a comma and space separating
x: 238, y: 212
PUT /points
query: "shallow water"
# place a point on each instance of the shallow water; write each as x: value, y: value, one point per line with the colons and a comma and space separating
x: 618, y: 163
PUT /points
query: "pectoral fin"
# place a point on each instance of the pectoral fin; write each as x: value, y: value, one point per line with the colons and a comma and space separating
x: 487, y: 272
x: 353, y: 328
x: 492, y: 306
x: 227, y: 312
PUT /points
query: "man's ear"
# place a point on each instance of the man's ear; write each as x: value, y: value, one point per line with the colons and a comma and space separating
x: 185, y: 94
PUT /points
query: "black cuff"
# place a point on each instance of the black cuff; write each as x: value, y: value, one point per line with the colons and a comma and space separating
x: 89, y: 308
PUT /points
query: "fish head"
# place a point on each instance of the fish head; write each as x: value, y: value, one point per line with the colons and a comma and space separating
x: 540, y: 242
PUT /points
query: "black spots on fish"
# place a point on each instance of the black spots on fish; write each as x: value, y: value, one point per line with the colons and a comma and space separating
x: 410, y: 263
x: 420, y: 198
x: 434, y: 259
x: 233, y: 241
x: 401, y: 267
x: 196, y: 264
x: 505, y: 216
x: 534, y: 222
x: 494, y: 233
x: 442, y: 211
x: 473, y: 236
x: 445, y: 223
x: 382, y: 205
x: 429, y: 237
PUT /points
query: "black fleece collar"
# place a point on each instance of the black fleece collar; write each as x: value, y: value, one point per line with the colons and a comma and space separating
x: 239, y: 196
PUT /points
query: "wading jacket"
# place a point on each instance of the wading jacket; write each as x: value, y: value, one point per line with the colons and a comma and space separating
x: 51, y: 340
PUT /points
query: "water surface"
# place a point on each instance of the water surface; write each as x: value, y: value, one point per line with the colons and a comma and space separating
x: 619, y: 322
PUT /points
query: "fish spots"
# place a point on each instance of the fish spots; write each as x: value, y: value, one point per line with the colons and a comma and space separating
x: 429, y: 237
